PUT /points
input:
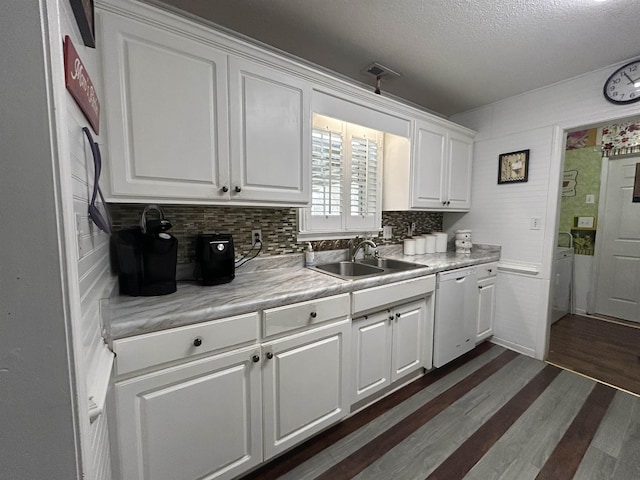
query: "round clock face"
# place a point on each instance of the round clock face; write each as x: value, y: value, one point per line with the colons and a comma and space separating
x: 623, y: 86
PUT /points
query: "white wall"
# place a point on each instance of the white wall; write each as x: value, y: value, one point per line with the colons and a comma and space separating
x: 38, y: 434
x: 87, y: 248
x: 52, y: 357
x: 501, y: 213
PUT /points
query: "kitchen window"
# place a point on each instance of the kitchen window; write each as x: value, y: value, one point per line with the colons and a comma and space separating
x: 346, y: 179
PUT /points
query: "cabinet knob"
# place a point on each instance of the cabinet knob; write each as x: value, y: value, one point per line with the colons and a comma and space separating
x: 197, y: 342
x: 255, y: 358
x: 269, y: 355
x: 448, y: 202
x: 313, y: 314
x: 237, y: 189
x: 398, y: 315
x: 390, y: 317
x: 444, y: 203
x: 225, y: 189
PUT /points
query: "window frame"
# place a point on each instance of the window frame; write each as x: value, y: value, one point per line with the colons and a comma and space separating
x: 346, y: 225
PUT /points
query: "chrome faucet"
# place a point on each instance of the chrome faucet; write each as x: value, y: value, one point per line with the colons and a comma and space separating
x: 354, y: 251
x: 570, y: 237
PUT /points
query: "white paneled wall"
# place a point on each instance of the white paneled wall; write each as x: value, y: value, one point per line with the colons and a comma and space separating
x: 501, y: 214
x: 88, y: 249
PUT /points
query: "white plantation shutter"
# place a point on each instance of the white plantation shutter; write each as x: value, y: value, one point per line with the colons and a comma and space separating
x: 364, y: 168
x: 326, y: 176
x: 345, y: 166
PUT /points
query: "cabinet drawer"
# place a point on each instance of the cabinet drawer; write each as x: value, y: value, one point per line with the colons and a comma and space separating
x: 155, y: 348
x: 376, y: 297
x: 487, y: 270
x: 303, y: 314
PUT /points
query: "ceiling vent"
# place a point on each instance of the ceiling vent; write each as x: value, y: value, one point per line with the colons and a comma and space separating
x: 380, y: 72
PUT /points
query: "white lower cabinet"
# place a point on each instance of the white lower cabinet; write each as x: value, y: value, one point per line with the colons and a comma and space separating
x: 486, y: 301
x: 305, y: 384
x: 197, y: 420
x: 388, y: 345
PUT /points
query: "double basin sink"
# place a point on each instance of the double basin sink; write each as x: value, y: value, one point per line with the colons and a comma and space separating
x: 367, y: 267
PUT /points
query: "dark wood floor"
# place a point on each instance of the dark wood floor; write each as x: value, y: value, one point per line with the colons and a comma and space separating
x: 606, y: 351
x: 492, y: 414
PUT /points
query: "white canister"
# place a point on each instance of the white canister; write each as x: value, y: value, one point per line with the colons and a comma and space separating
x: 421, y: 245
x: 441, y: 242
x: 431, y: 244
x: 410, y: 246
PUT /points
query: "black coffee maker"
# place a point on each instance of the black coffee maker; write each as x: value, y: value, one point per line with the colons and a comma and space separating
x: 146, y: 256
x: 215, y: 258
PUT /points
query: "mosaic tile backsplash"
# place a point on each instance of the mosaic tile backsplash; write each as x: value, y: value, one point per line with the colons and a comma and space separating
x: 279, y: 226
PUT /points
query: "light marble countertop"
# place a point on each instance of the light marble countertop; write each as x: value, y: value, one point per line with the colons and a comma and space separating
x: 269, y: 284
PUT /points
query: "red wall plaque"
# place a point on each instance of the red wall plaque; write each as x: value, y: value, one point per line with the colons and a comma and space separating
x: 77, y: 81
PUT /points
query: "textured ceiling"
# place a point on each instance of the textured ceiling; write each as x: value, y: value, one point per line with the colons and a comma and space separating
x: 454, y: 55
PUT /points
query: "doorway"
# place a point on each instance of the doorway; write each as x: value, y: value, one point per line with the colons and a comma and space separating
x: 601, y: 216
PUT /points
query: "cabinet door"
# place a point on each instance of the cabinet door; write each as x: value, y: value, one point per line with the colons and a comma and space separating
x: 460, y: 153
x: 196, y: 420
x: 370, y: 354
x: 408, y: 351
x: 270, y: 135
x: 428, y: 170
x: 305, y: 385
x: 486, y: 307
x: 166, y: 111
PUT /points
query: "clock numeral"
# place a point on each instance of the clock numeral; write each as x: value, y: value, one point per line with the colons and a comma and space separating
x: 633, y: 95
x: 633, y: 68
x: 617, y: 80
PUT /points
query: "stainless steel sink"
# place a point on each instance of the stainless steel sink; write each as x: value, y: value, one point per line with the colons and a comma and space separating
x: 389, y: 263
x: 365, y: 268
x: 349, y: 269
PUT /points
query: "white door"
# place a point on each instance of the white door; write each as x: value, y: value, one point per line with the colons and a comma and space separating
x: 459, y: 174
x: 486, y: 308
x: 198, y: 420
x: 305, y: 385
x: 428, y: 168
x: 270, y: 114
x: 370, y: 354
x: 167, y: 112
x: 618, y: 284
x: 408, y: 350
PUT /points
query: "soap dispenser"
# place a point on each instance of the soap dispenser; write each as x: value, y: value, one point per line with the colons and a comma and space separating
x: 309, y: 258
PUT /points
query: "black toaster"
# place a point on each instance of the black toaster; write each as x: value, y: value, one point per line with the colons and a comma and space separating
x: 215, y: 258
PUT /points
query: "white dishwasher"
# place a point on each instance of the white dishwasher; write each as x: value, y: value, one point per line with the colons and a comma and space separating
x: 456, y: 314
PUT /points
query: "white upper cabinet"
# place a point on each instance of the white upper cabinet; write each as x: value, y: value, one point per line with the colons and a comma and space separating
x: 270, y: 133
x: 166, y: 113
x: 431, y: 171
x: 177, y: 131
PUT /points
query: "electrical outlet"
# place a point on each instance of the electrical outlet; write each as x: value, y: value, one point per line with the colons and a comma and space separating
x: 535, y: 223
x: 256, y: 236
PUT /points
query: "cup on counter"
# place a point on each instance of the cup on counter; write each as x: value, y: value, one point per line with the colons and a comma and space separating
x: 421, y: 245
x: 441, y: 242
x: 410, y: 246
x: 430, y: 246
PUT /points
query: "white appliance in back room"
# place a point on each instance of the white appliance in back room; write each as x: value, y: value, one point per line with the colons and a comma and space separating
x: 456, y: 312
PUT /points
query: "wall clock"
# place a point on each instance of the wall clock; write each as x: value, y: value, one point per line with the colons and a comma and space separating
x: 623, y: 86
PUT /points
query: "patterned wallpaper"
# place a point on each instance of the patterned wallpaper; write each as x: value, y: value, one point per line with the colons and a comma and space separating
x: 279, y: 226
x: 621, y: 138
